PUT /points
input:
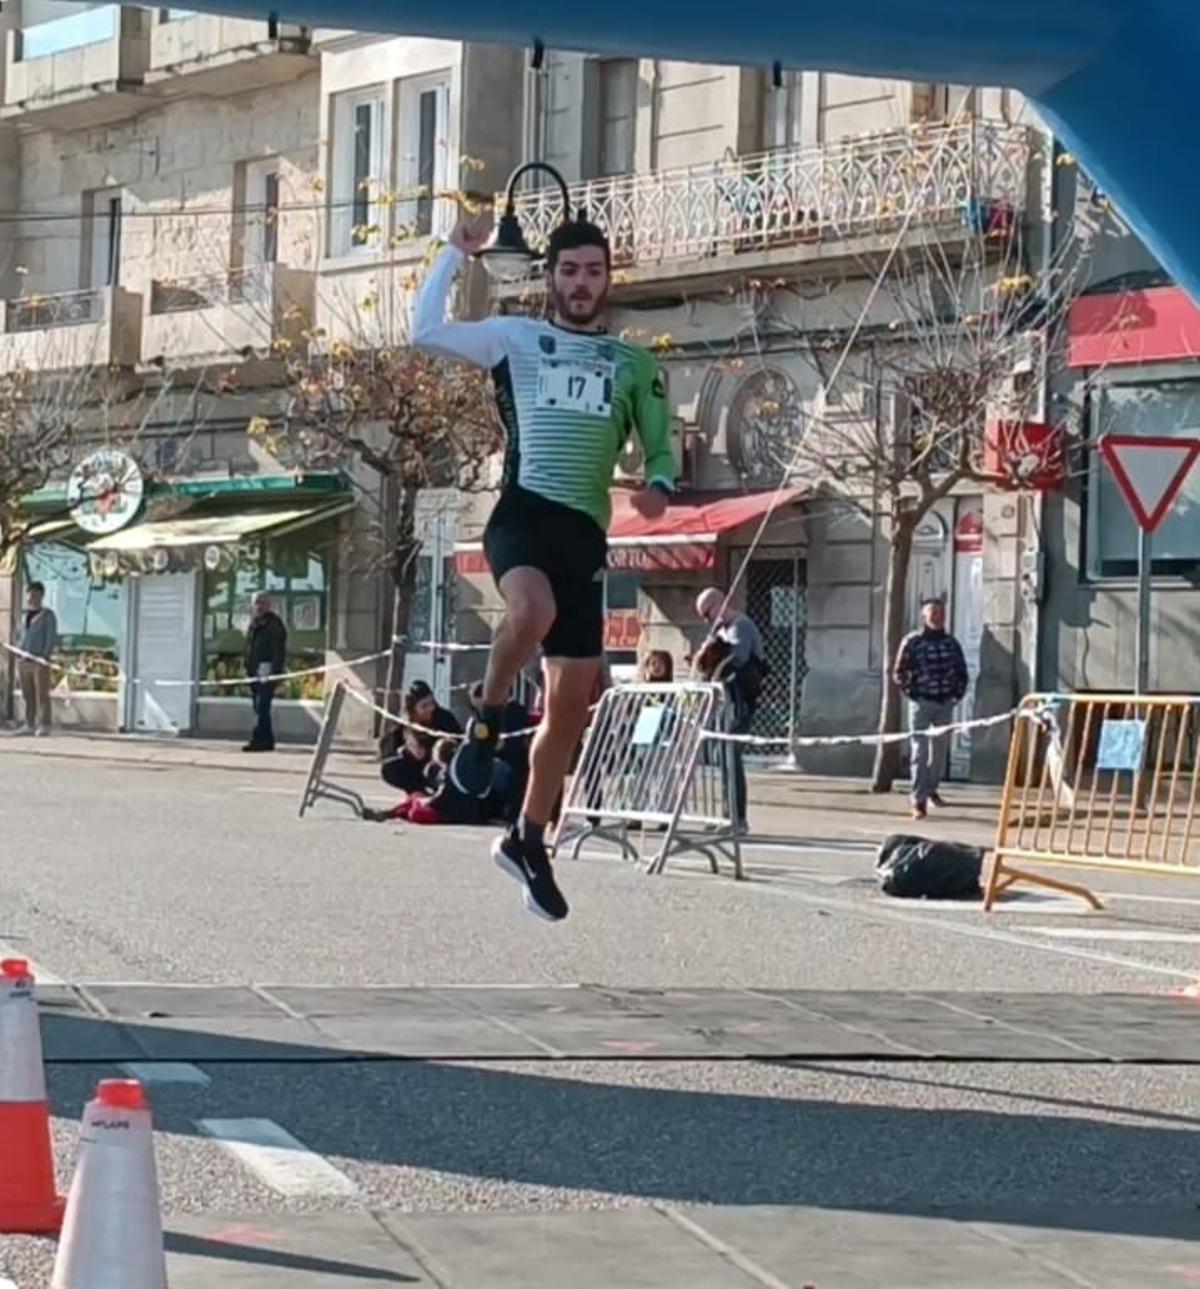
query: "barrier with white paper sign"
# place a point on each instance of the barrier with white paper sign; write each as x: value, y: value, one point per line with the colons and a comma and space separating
x: 651, y: 767
x: 1099, y: 781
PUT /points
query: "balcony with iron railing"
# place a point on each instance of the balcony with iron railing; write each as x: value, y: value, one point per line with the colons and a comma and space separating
x: 246, y: 311
x: 206, y: 53
x: 100, y: 327
x: 803, y: 203
x: 83, y: 69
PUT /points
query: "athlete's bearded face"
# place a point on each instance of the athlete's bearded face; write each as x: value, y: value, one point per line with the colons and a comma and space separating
x: 579, y: 285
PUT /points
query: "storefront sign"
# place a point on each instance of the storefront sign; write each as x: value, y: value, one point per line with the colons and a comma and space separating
x: 622, y: 629
x: 684, y: 557
x: 105, y: 491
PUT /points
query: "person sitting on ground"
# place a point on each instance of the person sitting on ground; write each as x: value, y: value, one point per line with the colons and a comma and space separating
x: 407, y: 751
x: 658, y: 668
x: 443, y: 803
x: 513, y: 751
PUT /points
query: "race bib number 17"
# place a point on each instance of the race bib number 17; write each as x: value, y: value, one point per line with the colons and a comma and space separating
x: 573, y: 385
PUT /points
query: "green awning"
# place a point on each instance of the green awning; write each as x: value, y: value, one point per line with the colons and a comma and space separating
x: 248, y: 486
x: 217, y: 530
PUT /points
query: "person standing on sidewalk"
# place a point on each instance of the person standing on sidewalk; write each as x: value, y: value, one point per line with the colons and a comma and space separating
x: 931, y: 673
x: 266, y: 655
x: 742, y: 671
x: 37, y: 638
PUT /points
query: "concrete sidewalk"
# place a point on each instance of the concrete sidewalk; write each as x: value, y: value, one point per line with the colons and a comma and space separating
x: 701, y: 1248
x: 784, y: 805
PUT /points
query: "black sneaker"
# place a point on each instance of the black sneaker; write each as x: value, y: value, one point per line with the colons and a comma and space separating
x: 530, y: 865
x: 471, y: 769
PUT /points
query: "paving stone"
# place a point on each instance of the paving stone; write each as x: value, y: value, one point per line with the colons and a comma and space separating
x: 315, y: 1251
x: 634, y: 1248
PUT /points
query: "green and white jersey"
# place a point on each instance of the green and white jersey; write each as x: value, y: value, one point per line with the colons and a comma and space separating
x: 569, y: 399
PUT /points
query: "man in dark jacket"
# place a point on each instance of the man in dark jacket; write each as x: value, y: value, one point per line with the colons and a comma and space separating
x: 266, y: 655
x: 931, y: 673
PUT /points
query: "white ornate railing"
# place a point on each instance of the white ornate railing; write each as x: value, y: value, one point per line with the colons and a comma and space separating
x: 61, y: 309
x: 940, y: 174
x: 251, y: 285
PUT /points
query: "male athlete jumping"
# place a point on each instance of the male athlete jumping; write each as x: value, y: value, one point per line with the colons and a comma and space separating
x: 570, y: 396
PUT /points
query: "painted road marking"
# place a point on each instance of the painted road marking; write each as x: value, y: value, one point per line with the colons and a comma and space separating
x: 277, y: 1158
x: 876, y: 912
x: 1149, y: 899
x: 1131, y: 934
x: 42, y: 975
x: 166, y: 1072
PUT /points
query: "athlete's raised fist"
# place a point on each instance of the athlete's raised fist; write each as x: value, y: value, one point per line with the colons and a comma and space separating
x: 650, y: 503
x: 470, y: 235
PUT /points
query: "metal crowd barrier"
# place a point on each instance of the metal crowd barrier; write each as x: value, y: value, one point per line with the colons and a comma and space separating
x: 1099, y: 781
x: 316, y: 786
x: 650, y: 767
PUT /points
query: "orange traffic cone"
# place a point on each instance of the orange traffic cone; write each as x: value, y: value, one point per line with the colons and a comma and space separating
x: 28, y: 1202
x: 112, y: 1236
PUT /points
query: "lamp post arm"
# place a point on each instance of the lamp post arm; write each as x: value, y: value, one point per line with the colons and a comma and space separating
x: 510, y: 196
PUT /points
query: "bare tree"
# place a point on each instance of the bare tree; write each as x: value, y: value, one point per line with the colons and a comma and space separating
x: 934, y: 388
x: 369, y: 402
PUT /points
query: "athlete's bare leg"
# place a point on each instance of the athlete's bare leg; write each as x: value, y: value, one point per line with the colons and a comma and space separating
x: 570, y: 683
x: 528, y: 615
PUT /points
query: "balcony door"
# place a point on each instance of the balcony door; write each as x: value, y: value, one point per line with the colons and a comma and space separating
x: 262, y: 213
x: 425, y: 167
x: 102, y: 219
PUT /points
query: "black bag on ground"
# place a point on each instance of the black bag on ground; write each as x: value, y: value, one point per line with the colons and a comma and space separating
x: 915, y: 868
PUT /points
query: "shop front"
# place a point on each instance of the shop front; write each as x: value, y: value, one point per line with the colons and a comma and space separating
x: 657, y: 567
x: 153, y: 615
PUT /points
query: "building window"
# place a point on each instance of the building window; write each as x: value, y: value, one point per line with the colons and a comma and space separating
x: 358, y: 173
x: 618, y: 82
x: 89, y: 612
x: 1167, y: 408
x: 102, y: 248
x: 424, y: 162
x: 295, y: 571
x: 74, y: 31
x: 175, y: 15
x: 781, y: 112
x: 257, y: 184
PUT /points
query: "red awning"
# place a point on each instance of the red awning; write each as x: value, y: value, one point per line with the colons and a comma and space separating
x: 683, y: 539
x: 1158, y: 325
x: 692, y: 518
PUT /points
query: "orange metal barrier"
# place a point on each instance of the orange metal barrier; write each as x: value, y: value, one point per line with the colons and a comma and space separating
x: 1099, y: 781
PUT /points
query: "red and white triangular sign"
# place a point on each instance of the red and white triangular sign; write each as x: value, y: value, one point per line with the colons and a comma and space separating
x: 1150, y: 472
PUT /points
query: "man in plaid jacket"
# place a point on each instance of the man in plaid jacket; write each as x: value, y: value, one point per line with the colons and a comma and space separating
x: 932, y: 674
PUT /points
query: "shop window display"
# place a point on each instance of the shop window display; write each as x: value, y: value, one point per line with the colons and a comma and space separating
x: 295, y: 572
x: 90, y: 613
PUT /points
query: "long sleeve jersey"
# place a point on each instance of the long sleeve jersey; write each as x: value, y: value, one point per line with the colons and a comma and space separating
x: 569, y: 399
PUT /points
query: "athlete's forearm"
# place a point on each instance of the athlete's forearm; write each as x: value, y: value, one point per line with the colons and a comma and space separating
x: 654, y: 429
x: 474, y: 342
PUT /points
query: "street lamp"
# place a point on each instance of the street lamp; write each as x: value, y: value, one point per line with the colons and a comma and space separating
x: 507, y: 255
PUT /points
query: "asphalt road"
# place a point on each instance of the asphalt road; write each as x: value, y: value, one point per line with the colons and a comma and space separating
x: 171, y: 875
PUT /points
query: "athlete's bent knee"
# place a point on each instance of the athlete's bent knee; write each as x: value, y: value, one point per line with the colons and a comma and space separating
x: 531, y: 615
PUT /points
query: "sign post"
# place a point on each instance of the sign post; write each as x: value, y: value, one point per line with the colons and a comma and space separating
x: 1150, y: 471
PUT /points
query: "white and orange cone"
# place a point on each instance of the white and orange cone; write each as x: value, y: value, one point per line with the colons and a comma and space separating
x: 112, y: 1236
x: 28, y: 1201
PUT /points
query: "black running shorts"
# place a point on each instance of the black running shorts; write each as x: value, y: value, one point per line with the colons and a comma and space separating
x: 527, y: 530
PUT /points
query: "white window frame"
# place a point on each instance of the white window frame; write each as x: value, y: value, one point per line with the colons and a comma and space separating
x: 104, y: 214
x: 609, y: 167
x: 349, y: 206
x: 781, y: 111
x: 442, y: 213
x: 259, y: 235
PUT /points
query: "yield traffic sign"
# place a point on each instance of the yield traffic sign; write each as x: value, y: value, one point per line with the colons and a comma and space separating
x: 1149, y: 471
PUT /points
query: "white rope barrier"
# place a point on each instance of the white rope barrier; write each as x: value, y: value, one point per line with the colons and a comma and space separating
x: 232, y: 681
